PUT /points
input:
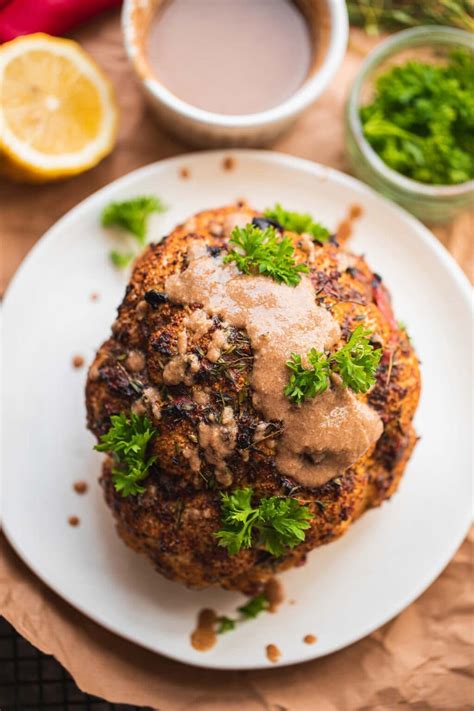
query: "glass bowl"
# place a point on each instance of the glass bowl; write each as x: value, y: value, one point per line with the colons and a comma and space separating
x: 431, y: 203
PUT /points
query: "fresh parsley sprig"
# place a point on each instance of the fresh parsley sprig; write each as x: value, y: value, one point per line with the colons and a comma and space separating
x: 132, y: 215
x: 257, y: 604
x: 238, y: 518
x: 281, y: 524
x: 307, y: 382
x: 120, y: 259
x: 225, y: 624
x: 127, y: 440
x: 254, y: 606
x: 274, y: 523
x: 265, y: 252
x: 356, y: 363
x: 301, y: 223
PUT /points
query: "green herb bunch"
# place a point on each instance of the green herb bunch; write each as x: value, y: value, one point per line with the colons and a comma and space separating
x: 421, y: 119
x: 356, y: 363
x: 275, y: 523
x: 298, y: 222
x: 265, y: 252
x: 127, y: 441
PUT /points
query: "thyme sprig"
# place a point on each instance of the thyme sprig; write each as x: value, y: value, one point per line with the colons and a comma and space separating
x: 392, y: 15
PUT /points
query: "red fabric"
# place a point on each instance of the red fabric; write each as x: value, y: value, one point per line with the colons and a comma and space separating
x: 55, y: 17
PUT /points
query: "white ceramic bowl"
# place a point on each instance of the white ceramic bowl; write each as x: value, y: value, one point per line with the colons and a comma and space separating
x: 206, y: 128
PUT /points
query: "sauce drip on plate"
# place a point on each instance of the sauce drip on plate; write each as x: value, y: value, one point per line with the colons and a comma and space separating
x: 204, y: 636
x: 274, y: 594
x: 273, y: 653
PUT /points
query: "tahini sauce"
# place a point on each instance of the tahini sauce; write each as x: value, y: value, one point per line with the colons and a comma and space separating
x: 328, y: 433
x: 230, y: 56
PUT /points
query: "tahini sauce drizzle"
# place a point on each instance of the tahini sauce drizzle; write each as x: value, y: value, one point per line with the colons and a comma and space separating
x: 274, y: 594
x: 326, y: 434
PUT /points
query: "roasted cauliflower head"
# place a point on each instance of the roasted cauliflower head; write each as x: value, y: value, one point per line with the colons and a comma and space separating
x: 204, y: 386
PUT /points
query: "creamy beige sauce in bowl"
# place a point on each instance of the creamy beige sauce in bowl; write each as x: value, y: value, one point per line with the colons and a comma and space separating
x: 326, y: 434
x: 230, y: 56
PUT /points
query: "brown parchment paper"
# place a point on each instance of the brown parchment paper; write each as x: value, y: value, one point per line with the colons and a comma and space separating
x: 421, y: 660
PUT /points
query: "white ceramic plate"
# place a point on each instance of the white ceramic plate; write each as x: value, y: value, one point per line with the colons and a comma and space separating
x: 349, y: 587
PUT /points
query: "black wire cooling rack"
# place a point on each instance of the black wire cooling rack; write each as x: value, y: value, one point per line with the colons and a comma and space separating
x: 31, y: 681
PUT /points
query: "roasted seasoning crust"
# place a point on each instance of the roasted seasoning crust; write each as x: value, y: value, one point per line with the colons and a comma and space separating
x: 173, y: 522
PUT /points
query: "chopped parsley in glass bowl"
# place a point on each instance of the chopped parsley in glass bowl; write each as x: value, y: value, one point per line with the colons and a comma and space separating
x: 410, y: 121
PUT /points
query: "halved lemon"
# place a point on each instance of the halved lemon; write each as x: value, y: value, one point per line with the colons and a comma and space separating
x: 58, y: 114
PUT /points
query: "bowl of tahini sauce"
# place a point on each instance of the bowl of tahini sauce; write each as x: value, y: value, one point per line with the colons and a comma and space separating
x: 233, y: 72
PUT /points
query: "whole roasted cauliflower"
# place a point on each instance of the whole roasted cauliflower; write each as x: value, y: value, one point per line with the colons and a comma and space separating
x: 186, y: 375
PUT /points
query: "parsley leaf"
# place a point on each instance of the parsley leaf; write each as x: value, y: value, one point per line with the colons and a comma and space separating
x: 257, y: 604
x: 275, y: 523
x: 120, y: 259
x: 265, y: 252
x: 254, y: 606
x: 357, y: 361
x: 225, y: 624
x: 239, y: 517
x: 307, y: 382
x: 298, y: 222
x: 132, y: 214
x: 282, y: 524
x: 127, y: 440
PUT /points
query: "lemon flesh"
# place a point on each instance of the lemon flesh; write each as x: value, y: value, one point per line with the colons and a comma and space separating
x: 58, y: 113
